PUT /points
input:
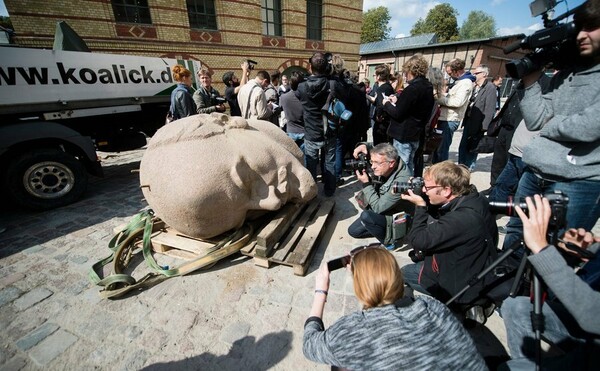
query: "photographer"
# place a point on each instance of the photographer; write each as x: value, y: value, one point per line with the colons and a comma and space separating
x: 566, y: 154
x: 206, y: 97
x: 570, y: 322
x: 233, y: 87
x: 252, y: 100
x: 377, y: 200
x: 391, y: 332
x: 455, y: 232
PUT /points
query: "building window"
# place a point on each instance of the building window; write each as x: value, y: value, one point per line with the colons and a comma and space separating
x: 314, y: 14
x: 202, y: 14
x: 132, y: 11
x: 270, y: 11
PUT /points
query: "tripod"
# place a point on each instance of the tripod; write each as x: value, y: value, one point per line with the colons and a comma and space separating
x: 558, y: 202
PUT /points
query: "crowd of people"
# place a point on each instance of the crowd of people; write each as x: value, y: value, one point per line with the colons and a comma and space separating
x: 546, y: 155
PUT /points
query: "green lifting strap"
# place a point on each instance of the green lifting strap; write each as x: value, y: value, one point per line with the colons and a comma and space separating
x: 118, y: 284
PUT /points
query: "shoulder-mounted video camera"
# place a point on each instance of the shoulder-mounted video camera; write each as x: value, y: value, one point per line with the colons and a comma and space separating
x: 554, y: 45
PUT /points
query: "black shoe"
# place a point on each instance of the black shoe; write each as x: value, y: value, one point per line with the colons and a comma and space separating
x: 486, y: 192
x: 340, y: 182
x: 476, y: 314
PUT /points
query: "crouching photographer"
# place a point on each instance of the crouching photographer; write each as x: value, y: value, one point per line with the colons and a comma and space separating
x: 382, y: 216
x: 391, y: 332
x: 456, y: 233
x: 571, y: 319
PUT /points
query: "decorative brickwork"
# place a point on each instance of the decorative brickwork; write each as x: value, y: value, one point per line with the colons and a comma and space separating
x: 206, y: 36
x: 134, y: 30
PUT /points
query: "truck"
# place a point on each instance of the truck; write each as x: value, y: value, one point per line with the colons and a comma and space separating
x: 57, y: 108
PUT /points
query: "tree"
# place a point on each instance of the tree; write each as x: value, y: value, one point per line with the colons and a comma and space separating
x: 440, y: 20
x: 478, y: 25
x: 5, y: 22
x: 375, y: 25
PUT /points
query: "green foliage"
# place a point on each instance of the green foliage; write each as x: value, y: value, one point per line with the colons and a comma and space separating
x: 478, y: 25
x: 440, y: 20
x: 5, y: 22
x: 375, y: 25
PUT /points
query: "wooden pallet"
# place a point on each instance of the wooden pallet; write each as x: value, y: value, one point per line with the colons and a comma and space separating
x: 288, y: 236
x: 291, y: 237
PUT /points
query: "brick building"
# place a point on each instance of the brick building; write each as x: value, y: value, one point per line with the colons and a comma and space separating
x: 475, y: 52
x: 278, y: 34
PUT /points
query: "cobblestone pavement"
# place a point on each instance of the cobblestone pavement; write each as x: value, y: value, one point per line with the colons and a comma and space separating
x: 233, y: 316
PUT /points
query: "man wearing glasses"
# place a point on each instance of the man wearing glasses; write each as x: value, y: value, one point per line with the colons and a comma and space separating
x: 455, y: 232
x: 377, y: 200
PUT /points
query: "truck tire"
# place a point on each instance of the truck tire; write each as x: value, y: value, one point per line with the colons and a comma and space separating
x: 45, y: 179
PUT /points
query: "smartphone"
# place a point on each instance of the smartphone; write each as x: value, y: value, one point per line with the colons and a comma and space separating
x: 338, y: 263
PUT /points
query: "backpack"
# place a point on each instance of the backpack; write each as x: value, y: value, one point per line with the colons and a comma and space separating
x: 335, y: 114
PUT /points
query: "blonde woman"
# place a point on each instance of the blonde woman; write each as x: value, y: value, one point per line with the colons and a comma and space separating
x: 391, y: 332
x: 182, y: 103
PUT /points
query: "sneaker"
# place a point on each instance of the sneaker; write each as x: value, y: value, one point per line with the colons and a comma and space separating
x: 390, y: 247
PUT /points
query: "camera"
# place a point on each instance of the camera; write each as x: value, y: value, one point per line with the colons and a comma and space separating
x: 220, y: 100
x: 558, y: 204
x: 416, y: 256
x: 251, y: 64
x: 554, y: 45
x: 361, y: 164
x: 415, y: 184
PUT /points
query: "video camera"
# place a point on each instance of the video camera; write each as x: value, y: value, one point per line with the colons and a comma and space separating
x: 553, y: 45
x: 415, y: 184
x: 251, y: 64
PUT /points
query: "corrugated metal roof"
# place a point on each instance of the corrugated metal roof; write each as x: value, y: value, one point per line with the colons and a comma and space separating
x: 399, y: 43
x: 419, y: 41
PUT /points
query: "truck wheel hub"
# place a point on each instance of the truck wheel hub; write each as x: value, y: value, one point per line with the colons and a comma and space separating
x: 48, y: 180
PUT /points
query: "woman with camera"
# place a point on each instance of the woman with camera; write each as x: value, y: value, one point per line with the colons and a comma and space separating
x: 391, y: 331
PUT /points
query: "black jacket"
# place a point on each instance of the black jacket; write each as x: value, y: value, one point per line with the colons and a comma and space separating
x: 458, y: 240
x: 412, y: 111
x: 313, y: 94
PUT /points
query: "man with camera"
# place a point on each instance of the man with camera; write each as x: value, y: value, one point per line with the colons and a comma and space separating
x: 252, y: 100
x: 233, y: 87
x: 565, y: 156
x: 455, y: 232
x: 207, y: 98
x: 378, y: 201
x: 571, y: 313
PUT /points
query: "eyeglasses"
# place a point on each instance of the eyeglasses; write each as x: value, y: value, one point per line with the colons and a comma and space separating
x: 477, y: 73
x: 427, y: 189
x: 377, y: 162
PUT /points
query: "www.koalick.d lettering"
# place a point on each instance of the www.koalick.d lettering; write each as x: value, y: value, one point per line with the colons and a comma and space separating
x: 117, y: 74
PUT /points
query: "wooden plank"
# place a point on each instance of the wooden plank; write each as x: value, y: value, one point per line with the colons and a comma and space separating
x: 295, y: 233
x: 262, y: 262
x: 272, y: 232
x: 166, y: 240
x: 302, y: 255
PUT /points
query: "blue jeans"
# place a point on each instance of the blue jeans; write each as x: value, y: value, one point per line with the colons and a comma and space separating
x: 583, y: 208
x: 410, y: 273
x: 466, y: 157
x: 448, y: 128
x: 508, y: 180
x: 406, y: 151
x: 298, y: 138
x: 520, y: 336
x: 369, y: 224
x: 311, y: 159
x: 339, y: 154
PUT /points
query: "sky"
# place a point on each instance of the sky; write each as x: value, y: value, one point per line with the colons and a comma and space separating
x: 512, y: 16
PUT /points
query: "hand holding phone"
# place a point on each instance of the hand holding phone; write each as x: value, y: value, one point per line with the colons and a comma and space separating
x: 338, y: 263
